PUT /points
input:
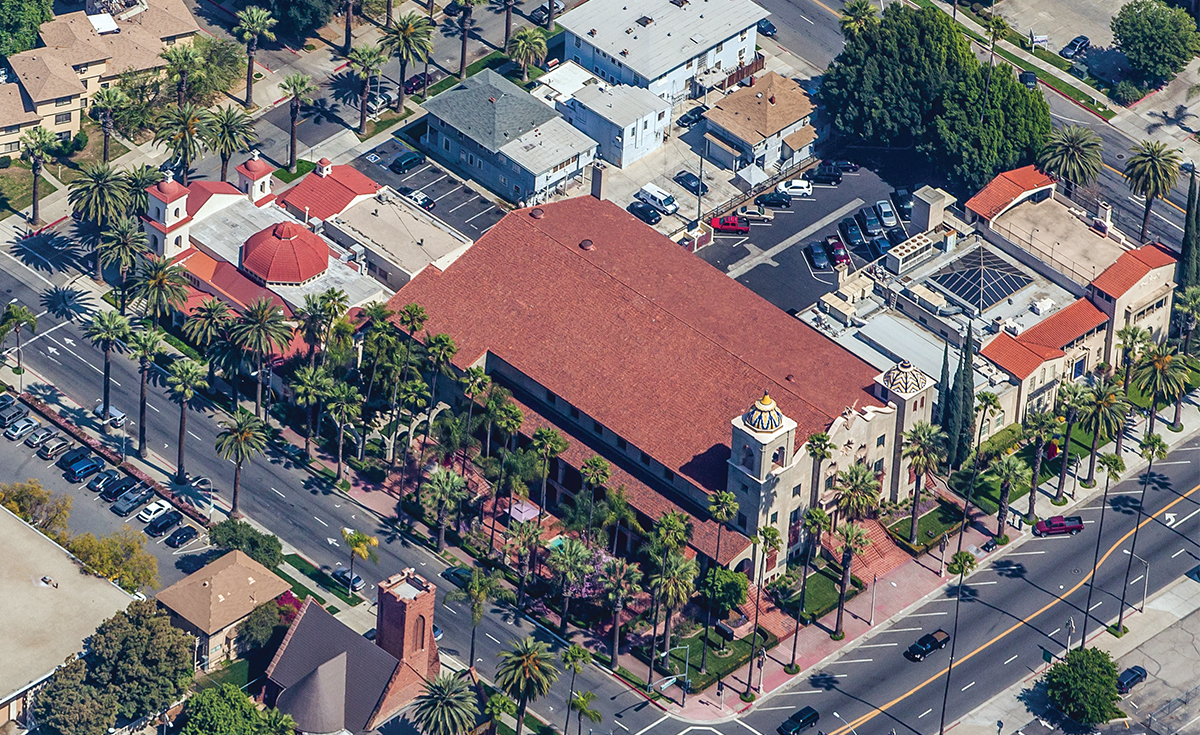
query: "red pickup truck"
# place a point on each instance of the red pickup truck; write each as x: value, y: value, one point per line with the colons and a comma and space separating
x: 1058, y: 525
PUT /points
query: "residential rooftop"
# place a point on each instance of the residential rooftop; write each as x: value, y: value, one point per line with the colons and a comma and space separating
x: 549, y: 144
x: 562, y: 82
x: 757, y: 112
x: 489, y: 109
x: 1056, y: 235
x: 621, y: 104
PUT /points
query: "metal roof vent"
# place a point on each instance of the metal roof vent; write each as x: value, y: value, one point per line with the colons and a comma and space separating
x: 537, y: 213
x: 587, y: 245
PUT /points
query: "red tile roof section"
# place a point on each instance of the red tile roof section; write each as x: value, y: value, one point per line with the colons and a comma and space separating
x: 328, y: 196
x: 255, y: 168
x: 226, y: 281
x: 286, y: 252
x: 1131, y: 267
x: 200, y: 192
x: 1064, y: 326
x: 1005, y: 189
x: 167, y: 190
x: 689, y: 347
x: 1016, y: 358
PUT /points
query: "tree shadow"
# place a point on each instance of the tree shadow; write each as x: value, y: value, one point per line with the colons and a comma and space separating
x: 45, y: 393
x: 345, y: 88
x: 67, y: 303
x: 48, y: 251
x: 1125, y: 504
x: 823, y: 681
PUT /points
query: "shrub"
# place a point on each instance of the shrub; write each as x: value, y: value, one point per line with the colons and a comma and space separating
x: 977, y: 8
x: 5, y: 161
x: 1127, y: 93
x: 79, y: 142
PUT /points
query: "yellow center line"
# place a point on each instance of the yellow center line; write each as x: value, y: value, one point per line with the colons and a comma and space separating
x: 1122, y: 174
x: 880, y: 710
x: 832, y: 12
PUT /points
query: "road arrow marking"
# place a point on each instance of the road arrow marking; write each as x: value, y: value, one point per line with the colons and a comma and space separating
x: 70, y: 342
x: 332, y: 542
x: 1170, y: 518
x: 52, y: 350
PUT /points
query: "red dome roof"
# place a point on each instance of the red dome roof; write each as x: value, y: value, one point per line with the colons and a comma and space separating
x: 285, y: 253
x: 167, y: 190
x: 255, y: 168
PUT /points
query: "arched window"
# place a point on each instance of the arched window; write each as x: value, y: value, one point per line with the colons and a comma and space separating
x: 747, y: 457
x: 177, y: 211
x: 777, y: 457
x: 178, y: 240
x: 421, y: 633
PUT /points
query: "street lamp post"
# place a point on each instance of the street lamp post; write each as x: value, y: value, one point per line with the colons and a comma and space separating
x: 874, y: 584
x: 1070, y: 630
x: 1145, y: 578
x: 687, y: 664
x: 847, y: 724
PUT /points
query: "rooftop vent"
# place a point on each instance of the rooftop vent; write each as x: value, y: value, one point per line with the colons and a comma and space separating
x: 587, y: 245
x: 537, y: 213
x: 624, y: 52
x: 592, y: 33
x: 645, y: 20
x: 679, y: 3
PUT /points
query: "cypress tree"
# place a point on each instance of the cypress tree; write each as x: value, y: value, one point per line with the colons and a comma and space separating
x: 967, y: 395
x: 955, y: 417
x: 1189, y: 258
x: 944, y: 387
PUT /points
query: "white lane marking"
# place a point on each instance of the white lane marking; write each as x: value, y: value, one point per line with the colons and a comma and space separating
x: 45, y: 280
x: 414, y: 173
x: 1010, y: 660
x: 1098, y: 604
x: 35, y: 338
x: 772, y: 709
x: 1136, y: 579
x: 979, y: 584
x: 926, y: 615
x: 1160, y: 464
x: 278, y: 493
x: 1053, y: 632
x: 924, y: 713
x: 452, y: 610
x: 806, y: 18
x: 152, y: 406
x: 73, y: 353
x: 804, y: 691
x: 480, y: 214
x: 878, y: 645
x: 901, y: 630
x: 653, y: 725
x: 967, y: 687
x: 1121, y: 492
x: 622, y: 726
x: 1026, y: 553
x: 489, y: 635
x: 195, y: 437
x: 853, y: 661
x: 1089, y: 521
x: 452, y: 191
x: 1156, y: 214
x: 1186, y: 518
x: 751, y: 729
x: 323, y: 523
x: 1177, y: 553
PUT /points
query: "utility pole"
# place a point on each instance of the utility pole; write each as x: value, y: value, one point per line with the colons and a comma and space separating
x: 874, y: 584
x: 700, y: 191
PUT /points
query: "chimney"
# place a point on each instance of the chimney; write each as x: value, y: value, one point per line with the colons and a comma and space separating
x: 1104, y: 212
x: 772, y: 99
x: 597, y: 181
x: 404, y: 621
x: 324, y: 167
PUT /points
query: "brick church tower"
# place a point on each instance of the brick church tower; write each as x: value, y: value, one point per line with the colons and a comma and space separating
x: 404, y: 622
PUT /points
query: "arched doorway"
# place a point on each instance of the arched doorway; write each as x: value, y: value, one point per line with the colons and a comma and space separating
x: 746, y: 567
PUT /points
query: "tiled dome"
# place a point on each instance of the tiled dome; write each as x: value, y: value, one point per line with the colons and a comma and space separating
x: 904, y: 378
x: 764, y: 416
x: 287, y: 253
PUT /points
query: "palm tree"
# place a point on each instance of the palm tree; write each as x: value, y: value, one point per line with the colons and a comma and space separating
x: 858, y: 491
x: 414, y: 395
x: 1075, y: 153
x: 107, y: 331
x: 618, y: 512
x: 1163, y: 375
x: 852, y: 540
x: 526, y: 673
x: 138, y: 179
x: 439, y: 352
x: 508, y: 6
x: 241, y: 439
x: 676, y: 583
x: 574, y: 659
x: 816, y: 522
x: 299, y: 89
x: 924, y: 448
x: 1188, y: 306
x: 474, y: 382
x: 547, y: 444
x: 310, y: 324
x: 1152, y: 447
x: 995, y: 27
x: 1071, y: 396
x: 310, y: 386
x: 106, y: 102
x: 344, y: 406
x: 768, y: 538
x: 184, y: 63
x: 38, y: 144
x: 208, y: 324
x: 464, y: 32
x: 527, y: 46
x: 596, y: 473
x: 99, y: 194
x: 857, y: 17
x: 1113, y: 466
x: 1038, y: 428
x: 261, y: 330
x: 144, y: 344
x: 443, y: 490
x: 183, y: 129
x: 446, y: 706
x: 410, y: 40
x: 277, y: 722
x: 571, y: 560
x: 15, y: 319
x: 231, y: 130
x: 1151, y: 173
x: 481, y: 589
x: 987, y: 405
x: 962, y: 564
x: 499, y: 705
x: 1009, y: 470
x: 230, y: 357
x: 1103, y: 415
x: 361, y: 546
x: 820, y: 448
x: 123, y: 244
x: 162, y: 286
x: 349, y: 10
x: 581, y: 704
x: 186, y: 378
x: 622, y: 581
x: 722, y: 507
x: 365, y: 62
x: 1134, y: 340
x: 524, y: 539
x: 253, y: 22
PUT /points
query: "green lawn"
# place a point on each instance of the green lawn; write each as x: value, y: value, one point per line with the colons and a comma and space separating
x: 236, y: 673
x: 383, y: 122
x: 821, y: 596
x: 493, y: 61
x: 16, y: 189
x: 302, y: 168
x: 67, y: 169
x: 720, y: 662
x: 941, y: 519
x: 324, y: 580
x: 1142, y: 400
x: 298, y: 589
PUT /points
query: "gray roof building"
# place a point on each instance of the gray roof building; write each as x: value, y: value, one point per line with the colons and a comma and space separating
x: 489, y: 109
x: 620, y: 104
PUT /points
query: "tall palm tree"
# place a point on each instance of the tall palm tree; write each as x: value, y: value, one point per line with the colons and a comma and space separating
x: 310, y: 386
x: 37, y: 145
x: 723, y: 507
x: 365, y: 62
x: 1075, y: 153
x: 208, y: 324
x: 1133, y: 341
x: 464, y: 33
x: 139, y: 179
x: 186, y: 378
x: 442, y: 491
x: 183, y: 129
x: 571, y: 560
x: 231, y: 130
x: 618, y: 512
x: 261, y: 330
x: 123, y: 245
x: 162, y: 286
x: 106, y: 103
x: 144, y: 345
x: 310, y: 324
x: 852, y: 540
x: 480, y: 590
x: 344, y: 406
x: 1163, y: 375
x: 1038, y: 428
x: 816, y: 522
x: 622, y: 581
x: 410, y: 40
x: 108, y: 331
x: 1188, y: 306
x: 17, y: 318
x: 548, y: 444
x: 526, y: 673
x: 766, y: 541
x: 508, y: 6
x: 439, y: 352
x: 253, y: 23
x: 1152, y: 447
x: 447, y: 705
x: 1103, y: 415
x: 575, y: 658
x: 858, y: 492
x: 241, y: 439
x: 1009, y: 470
x: 676, y: 583
x: 1071, y: 396
x: 962, y: 564
x: 299, y: 89
x: 185, y: 63
x: 1113, y: 467
x: 524, y: 540
x: 820, y: 448
x: 231, y: 358
x: 414, y: 395
x: 474, y: 382
x: 527, y: 46
x: 924, y: 448
x: 1151, y: 173
x: 857, y: 17
x: 581, y: 704
x: 987, y: 404
x: 361, y: 546
x: 99, y: 194
x: 596, y: 473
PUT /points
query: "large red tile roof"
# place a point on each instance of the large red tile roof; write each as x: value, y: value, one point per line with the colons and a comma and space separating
x: 1015, y: 357
x: 225, y: 281
x: 287, y: 252
x: 636, y: 332
x: 1131, y: 267
x: 199, y: 192
x: 1005, y: 189
x: 327, y: 196
x: 1065, y: 326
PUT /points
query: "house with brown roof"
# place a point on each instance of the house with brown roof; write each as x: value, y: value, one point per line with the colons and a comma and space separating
x: 212, y: 603
x: 768, y: 125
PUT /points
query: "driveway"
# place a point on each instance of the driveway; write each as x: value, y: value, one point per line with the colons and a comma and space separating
x: 1063, y: 20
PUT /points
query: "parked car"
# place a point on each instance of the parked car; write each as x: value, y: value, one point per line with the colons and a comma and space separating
x: 417, y: 197
x: 1076, y: 47
x: 100, y: 481
x: 12, y: 415
x: 896, y: 235
x: 342, y: 575
x: 417, y: 83
x: 6, y: 400
x: 114, y: 490
x: 458, y: 576
x: 800, y: 721
x: 542, y: 13
x: 164, y: 523
x: 40, y: 436
x: 437, y: 632
x: 53, y: 447
x: 927, y: 644
x: 756, y: 214
x: 181, y: 536
x: 132, y: 500
x: 1130, y: 678
x: 795, y: 188
x: 116, y: 418
x: 887, y: 215
x: 879, y: 246
x: 774, y: 199
x: 818, y: 256
x: 869, y: 221
x: 766, y: 28
x: 84, y: 469
x: 691, y: 182
x: 692, y: 116
x: 73, y: 456
x: 852, y: 234
x: 844, y: 166
x: 731, y: 223
x: 153, y: 511
x: 644, y: 212
x: 1058, y: 525
x: 824, y: 174
x: 837, y: 250
x: 21, y: 429
x: 377, y: 103
x: 903, y: 199
x: 406, y: 161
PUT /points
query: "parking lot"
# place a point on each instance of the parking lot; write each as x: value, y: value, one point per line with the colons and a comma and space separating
x: 771, y: 260
x: 458, y: 205
x: 91, y: 515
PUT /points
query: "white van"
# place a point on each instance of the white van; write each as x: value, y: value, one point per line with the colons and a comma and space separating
x: 657, y: 198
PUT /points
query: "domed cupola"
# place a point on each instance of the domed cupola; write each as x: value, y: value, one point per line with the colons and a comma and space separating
x: 764, y: 416
x: 905, y: 379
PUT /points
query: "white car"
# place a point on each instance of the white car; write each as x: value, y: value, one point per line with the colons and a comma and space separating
x: 153, y: 511
x: 795, y: 188
x: 887, y: 215
x: 756, y: 214
x: 21, y: 429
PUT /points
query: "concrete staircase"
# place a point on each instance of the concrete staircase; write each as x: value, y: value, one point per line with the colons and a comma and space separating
x: 770, y: 617
x: 879, y: 558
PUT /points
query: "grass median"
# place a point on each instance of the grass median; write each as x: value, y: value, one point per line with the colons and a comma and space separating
x: 325, y: 581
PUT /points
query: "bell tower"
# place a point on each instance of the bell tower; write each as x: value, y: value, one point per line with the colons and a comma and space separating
x: 167, y: 221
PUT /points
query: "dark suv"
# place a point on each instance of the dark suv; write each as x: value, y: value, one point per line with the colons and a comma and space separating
x: 164, y: 523
x: 827, y: 174
x: 406, y: 161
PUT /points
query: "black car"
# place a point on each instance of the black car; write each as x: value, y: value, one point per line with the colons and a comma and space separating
x: 869, y: 221
x: 824, y: 174
x: 692, y: 116
x: 927, y: 644
x: 766, y: 28
x: 1130, y: 678
x: 844, y: 166
x: 1076, y: 47
x: 114, y: 490
x: 800, y: 721
x: 417, y: 83
x: 164, y: 523
x: 406, y: 161
x: 851, y: 233
x: 903, y: 199
x: 879, y: 246
x: 691, y: 182
x: 542, y: 13
x: 773, y: 199
x: 101, y: 480
x: 6, y: 400
x: 644, y: 212
x: 896, y: 235
x: 459, y: 576
x: 132, y: 500
x: 818, y: 256
x: 73, y: 456
x: 182, y: 536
